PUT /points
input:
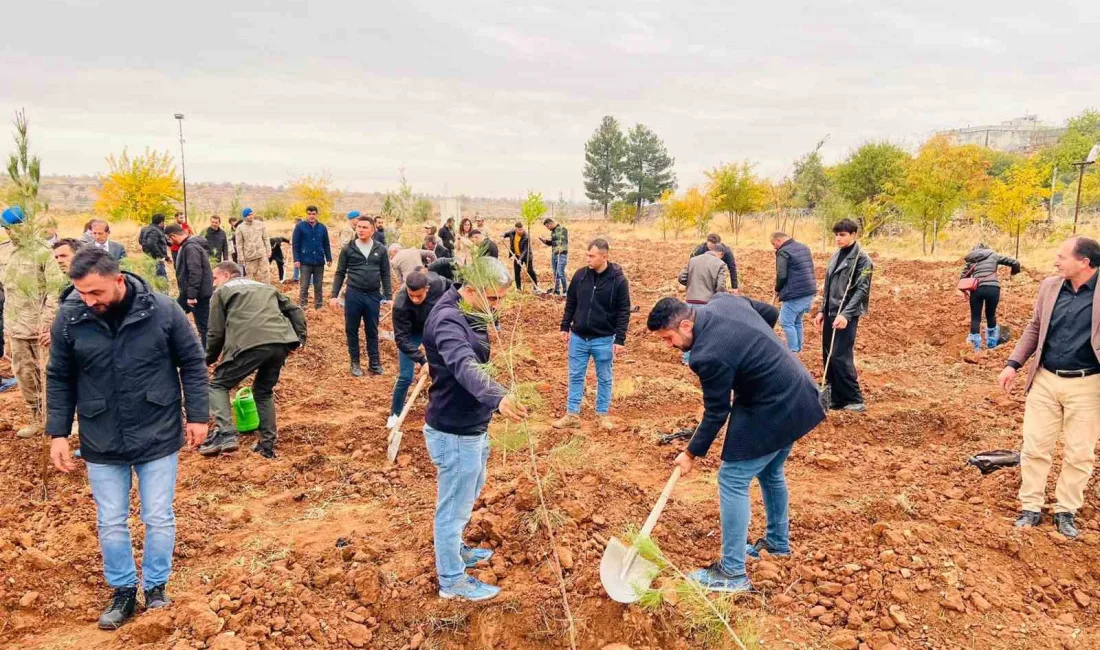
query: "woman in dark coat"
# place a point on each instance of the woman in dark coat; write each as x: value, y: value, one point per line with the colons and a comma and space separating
x: 982, y: 263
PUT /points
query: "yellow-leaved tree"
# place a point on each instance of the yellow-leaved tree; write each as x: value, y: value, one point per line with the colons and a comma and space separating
x: 735, y: 190
x: 674, y: 215
x: 312, y: 190
x: 1015, y: 199
x: 135, y: 188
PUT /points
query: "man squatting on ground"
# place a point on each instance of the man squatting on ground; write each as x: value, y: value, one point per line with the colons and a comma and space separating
x: 253, y: 327
x: 735, y: 350
x: 414, y: 301
x: 1063, y: 385
x: 461, y: 401
x: 366, y: 265
x: 137, y: 352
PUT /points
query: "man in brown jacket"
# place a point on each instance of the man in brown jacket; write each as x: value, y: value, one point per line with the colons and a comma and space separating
x: 1063, y: 385
x: 253, y: 247
x: 704, y: 276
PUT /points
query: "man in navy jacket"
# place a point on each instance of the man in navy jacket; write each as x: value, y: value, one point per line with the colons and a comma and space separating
x: 312, y: 251
x: 733, y: 350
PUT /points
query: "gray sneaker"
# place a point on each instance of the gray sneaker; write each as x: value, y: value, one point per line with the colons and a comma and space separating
x: 219, y: 443
x: 1063, y: 523
x: 1028, y: 518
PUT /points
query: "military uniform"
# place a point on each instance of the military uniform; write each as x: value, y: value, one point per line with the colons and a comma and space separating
x: 254, y: 250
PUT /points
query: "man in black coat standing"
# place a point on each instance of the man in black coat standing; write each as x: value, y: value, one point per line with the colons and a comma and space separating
x: 714, y: 243
x: 194, y: 277
x: 366, y: 265
x: 733, y: 350
x: 154, y: 243
x: 216, y: 240
x: 121, y: 356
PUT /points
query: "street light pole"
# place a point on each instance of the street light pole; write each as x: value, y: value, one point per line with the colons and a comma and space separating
x: 183, y: 167
x: 1094, y: 153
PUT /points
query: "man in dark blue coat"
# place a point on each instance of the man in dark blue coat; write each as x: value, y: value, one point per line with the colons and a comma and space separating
x: 733, y: 350
x: 119, y: 356
x: 795, y: 285
x: 312, y: 251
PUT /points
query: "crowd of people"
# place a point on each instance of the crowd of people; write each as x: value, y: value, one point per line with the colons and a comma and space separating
x: 125, y: 359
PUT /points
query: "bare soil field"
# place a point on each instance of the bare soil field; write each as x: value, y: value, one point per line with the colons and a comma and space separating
x: 897, y: 544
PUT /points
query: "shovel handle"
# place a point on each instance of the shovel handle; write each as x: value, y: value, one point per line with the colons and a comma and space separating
x: 409, y: 402
x: 651, y: 522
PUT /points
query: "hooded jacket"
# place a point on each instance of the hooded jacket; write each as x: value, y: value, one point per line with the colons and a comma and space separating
x: 125, y: 384
x: 409, y: 318
x: 193, y: 274
x: 598, y: 304
x: 982, y: 262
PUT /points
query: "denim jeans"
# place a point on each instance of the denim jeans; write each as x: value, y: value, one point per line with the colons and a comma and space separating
x: 406, y: 370
x: 602, y: 351
x: 558, y: 263
x: 790, y: 319
x: 460, y: 463
x: 111, y: 491
x: 734, y: 478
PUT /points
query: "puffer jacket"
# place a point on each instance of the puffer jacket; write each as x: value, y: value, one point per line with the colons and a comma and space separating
x: 982, y: 262
x: 252, y: 242
x: 126, y: 385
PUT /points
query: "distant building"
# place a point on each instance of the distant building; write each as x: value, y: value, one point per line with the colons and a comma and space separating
x: 1022, y: 135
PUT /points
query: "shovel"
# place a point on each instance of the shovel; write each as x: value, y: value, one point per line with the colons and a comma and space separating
x: 394, y: 438
x: 625, y: 575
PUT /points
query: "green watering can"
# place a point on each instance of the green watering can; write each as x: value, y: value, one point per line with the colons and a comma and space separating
x: 244, y: 411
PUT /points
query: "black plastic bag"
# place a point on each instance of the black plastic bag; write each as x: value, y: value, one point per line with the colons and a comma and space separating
x: 988, y: 462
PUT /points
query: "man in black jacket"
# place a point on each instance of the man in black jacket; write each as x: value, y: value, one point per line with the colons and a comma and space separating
x: 519, y: 250
x: 366, y: 265
x: 714, y: 243
x: 154, y: 243
x: 120, y: 356
x: 847, y: 293
x: 277, y: 255
x: 487, y: 247
x: 734, y: 351
x: 597, y: 314
x: 410, y: 311
x: 196, y: 283
x: 216, y: 240
x: 447, y: 234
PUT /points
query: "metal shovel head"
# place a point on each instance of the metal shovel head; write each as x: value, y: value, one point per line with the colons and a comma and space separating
x: 394, y: 445
x: 628, y: 588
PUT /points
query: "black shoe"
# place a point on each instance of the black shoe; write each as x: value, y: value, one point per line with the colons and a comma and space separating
x: 1063, y: 523
x: 121, y: 609
x: 219, y: 443
x: 264, y: 450
x: 155, y: 598
x: 375, y: 368
x: 1029, y: 518
x: 356, y: 369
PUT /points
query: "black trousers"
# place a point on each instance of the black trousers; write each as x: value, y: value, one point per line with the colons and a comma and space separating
x: 267, y: 362
x: 518, y: 269
x: 362, y: 307
x: 200, y: 311
x: 841, y: 371
x: 985, y: 296
x: 278, y: 265
x: 311, y: 274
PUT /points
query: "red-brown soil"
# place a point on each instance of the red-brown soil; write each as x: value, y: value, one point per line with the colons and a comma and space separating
x: 897, y: 543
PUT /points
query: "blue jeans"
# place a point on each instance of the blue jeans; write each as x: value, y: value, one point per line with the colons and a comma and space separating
x: 460, y: 463
x: 558, y: 263
x: 734, y: 478
x: 365, y: 308
x: 790, y: 319
x: 111, y: 491
x: 406, y: 370
x: 602, y: 352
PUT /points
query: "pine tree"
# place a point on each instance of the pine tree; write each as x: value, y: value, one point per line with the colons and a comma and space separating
x: 604, y: 156
x: 648, y: 167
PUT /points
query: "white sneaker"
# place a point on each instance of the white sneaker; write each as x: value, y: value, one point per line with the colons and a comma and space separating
x: 391, y: 422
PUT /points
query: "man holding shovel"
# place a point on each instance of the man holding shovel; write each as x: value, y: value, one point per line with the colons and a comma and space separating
x: 733, y: 350
x: 414, y: 301
x: 461, y: 402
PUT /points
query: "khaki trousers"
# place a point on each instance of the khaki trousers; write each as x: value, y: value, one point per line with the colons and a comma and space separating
x: 258, y: 269
x: 1070, y: 407
x: 28, y: 361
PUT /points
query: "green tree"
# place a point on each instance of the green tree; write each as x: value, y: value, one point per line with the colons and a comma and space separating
x: 135, y: 188
x: 273, y: 209
x: 1015, y: 199
x: 622, y: 212
x: 532, y: 209
x: 734, y: 189
x: 604, y: 157
x: 648, y: 167
x: 1082, y: 131
x: 810, y: 181
x: 865, y: 178
x: 235, y: 205
x: 676, y: 214
x: 389, y: 206
x: 422, y: 209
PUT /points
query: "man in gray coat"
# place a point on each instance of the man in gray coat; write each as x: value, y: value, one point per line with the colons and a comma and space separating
x: 704, y: 276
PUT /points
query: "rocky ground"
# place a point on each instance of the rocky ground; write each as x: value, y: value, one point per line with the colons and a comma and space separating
x: 897, y: 544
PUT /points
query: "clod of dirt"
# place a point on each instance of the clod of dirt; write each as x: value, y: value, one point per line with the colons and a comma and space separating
x: 844, y: 640
x: 228, y: 641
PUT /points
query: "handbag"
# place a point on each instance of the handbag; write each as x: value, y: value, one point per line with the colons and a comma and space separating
x: 968, y: 282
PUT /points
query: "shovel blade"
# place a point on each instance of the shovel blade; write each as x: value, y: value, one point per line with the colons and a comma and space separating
x: 394, y: 445
x: 628, y: 588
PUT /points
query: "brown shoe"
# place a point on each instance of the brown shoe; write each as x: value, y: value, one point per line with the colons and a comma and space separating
x: 28, y: 431
x: 567, y: 421
x: 605, y: 422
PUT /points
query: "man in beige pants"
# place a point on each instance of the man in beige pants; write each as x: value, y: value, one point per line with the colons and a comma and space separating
x: 253, y: 247
x: 1063, y: 385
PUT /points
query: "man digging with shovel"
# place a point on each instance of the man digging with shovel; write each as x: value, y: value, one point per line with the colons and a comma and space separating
x: 734, y: 351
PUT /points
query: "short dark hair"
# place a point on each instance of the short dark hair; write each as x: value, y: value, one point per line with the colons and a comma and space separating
x: 667, y: 314
x: 846, y: 225
x: 778, y: 234
x: 229, y: 267
x: 94, y: 222
x: 430, y: 239
x: 74, y: 244
x: 366, y: 219
x: 547, y: 221
x: 519, y: 224
x: 714, y: 238
x: 174, y: 229
x: 90, y: 259
x: 157, y: 219
x: 417, y: 280
x: 215, y: 216
x: 475, y: 231
x: 311, y: 208
x: 1087, y: 248
x: 600, y: 244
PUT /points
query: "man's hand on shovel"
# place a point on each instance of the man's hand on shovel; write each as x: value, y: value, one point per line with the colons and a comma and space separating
x: 685, y: 461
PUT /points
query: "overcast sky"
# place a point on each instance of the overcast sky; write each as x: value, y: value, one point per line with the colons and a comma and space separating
x: 494, y: 98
